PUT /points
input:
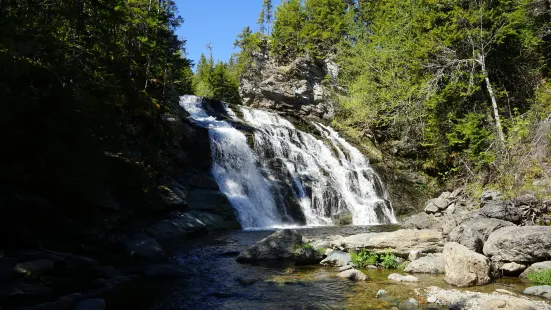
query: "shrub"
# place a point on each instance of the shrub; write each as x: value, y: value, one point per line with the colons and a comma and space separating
x: 363, y: 258
x: 542, y: 277
x: 388, y: 261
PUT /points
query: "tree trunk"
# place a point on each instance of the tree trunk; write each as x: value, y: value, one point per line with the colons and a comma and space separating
x: 499, y: 129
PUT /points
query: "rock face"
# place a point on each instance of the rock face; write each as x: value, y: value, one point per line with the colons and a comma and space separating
x: 299, y: 88
x: 542, y: 290
x: 454, y: 299
x: 464, y: 267
x: 352, y: 274
x: 474, y: 233
x: 432, y: 263
x: 536, y: 267
x: 400, y: 242
x: 506, y: 211
x: 519, y: 244
x: 283, y: 244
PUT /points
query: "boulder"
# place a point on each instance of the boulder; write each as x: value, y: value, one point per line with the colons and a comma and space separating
x: 337, y: 259
x: 279, y: 245
x: 541, y: 290
x: 91, y: 304
x: 432, y: 263
x: 173, y: 194
x: 536, y: 267
x: 352, y: 274
x: 436, y: 205
x: 307, y: 256
x: 455, y: 299
x: 415, y: 254
x: 506, y: 211
x: 419, y: 221
x: 519, y: 244
x: 143, y: 247
x: 400, y: 278
x: 400, y: 242
x: 431, y: 208
x: 37, y: 267
x: 474, y: 233
x: 511, y: 269
x: 342, y: 218
x: 464, y: 267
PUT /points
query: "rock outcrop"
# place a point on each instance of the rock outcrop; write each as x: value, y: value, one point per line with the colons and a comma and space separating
x: 464, y: 267
x: 299, y: 88
x: 523, y: 244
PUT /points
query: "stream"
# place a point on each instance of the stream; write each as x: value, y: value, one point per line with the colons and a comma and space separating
x: 214, y: 280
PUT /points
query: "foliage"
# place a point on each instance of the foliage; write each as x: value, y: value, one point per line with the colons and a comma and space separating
x: 363, y: 258
x: 322, y: 250
x: 388, y: 261
x: 215, y: 81
x: 286, y: 35
x: 542, y: 277
x: 305, y: 245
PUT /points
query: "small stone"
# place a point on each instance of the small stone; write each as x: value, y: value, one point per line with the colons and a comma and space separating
x: 371, y: 267
x: 413, y: 301
x: 380, y: 293
x: 353, y: 274
x: 431, y: 299
x: 400, y: 278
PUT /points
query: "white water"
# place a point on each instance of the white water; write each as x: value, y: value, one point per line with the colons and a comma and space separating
x: 235, y: 169
x: 321, y: 177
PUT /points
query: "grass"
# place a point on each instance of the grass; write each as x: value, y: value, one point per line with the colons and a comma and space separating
x: 302, y: 246
x: 542, y: 277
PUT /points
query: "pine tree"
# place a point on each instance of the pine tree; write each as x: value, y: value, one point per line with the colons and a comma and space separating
x: 286, y: 36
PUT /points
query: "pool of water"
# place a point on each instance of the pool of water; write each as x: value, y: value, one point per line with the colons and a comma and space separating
x: 214, y: 280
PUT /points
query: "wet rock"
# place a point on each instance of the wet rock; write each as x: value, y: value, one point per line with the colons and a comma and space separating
x: 512, y: 269
x: 519, y: 244
x: 337, y: 259
x: 173, y: 194
x: 400, y: 242
x: 342, y: 218
x: 307, y: 256
x: 454, y: 299
x: 541, y: 290
x: 400, y: 278
x: 536, y: 267
x: 343, y: 268
x: 279, y: 245
x: 91, y: 304
x: 35, y: 268
x: 464, y: 267
x: 380, y: 293
x: 143, y: 247
x: 352, y: 274
x: 474, y: 233
x: 432, y: 263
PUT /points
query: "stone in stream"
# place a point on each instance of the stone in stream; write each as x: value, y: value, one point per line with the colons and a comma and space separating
x: 353, y: 274
x: 400, y: 278
x: 337, y: 259
x: 541, y: 290
x: 454, y: 299
x: 474, y: 233
x: 432, y: 263
x: 512, y: 269
x: 536, y: 267
x: 520, y: 244
x: 464, y: 267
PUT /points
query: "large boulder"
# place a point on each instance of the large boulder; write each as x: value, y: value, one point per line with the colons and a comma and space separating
x: 400, y: 242
x: 474, y: 233
x: 432, y: 263
x: 519, y: 244
x: 536, y: 267
x: 337, y: 259
x: 506, y: 211
x: 464, y: 267
x: 419, y: 221
x: 279, y: 245
x: 437, y: 205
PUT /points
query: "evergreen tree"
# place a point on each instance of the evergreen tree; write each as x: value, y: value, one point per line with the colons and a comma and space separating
x: 286, y: 36
x: 325, y: 25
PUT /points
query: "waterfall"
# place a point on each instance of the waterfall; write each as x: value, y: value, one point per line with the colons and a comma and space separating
x: 286, y: 176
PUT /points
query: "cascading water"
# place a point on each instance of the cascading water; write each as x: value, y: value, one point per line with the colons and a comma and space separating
x: 291, y: 177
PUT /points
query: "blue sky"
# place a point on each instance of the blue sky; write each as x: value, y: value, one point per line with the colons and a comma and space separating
x: 215, y: 21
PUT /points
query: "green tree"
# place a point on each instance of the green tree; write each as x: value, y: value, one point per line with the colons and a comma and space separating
x: 325, y: 25
x: 286, y: 35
